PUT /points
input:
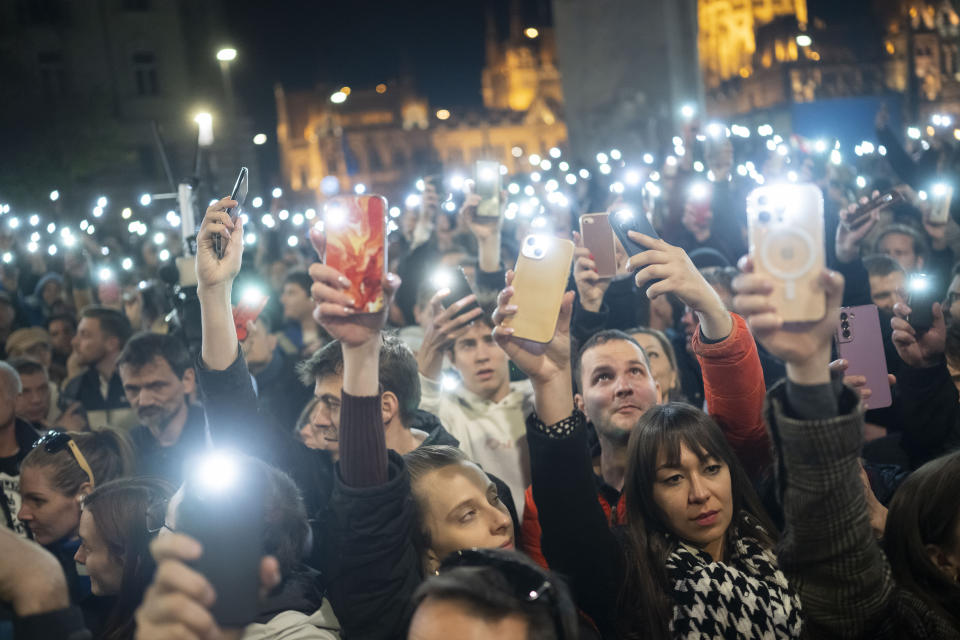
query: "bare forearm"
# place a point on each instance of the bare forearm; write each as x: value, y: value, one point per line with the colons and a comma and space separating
x: 488, y: 253
x: 715, y: 322
x: 553, y: 399
x: 219, y: 335
x: 361, y: 368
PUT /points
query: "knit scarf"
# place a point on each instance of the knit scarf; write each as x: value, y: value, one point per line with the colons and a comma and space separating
x: 745, y: 598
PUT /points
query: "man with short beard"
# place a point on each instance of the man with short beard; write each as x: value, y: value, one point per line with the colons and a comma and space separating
x: 158, y: 377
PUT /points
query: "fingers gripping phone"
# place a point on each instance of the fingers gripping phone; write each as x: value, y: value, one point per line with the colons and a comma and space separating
x: 941, y: 196
x: 860, y: 343
x: 222, y: 508
x: 785, y: 224
x: 627, y: 219
x: 239, y: 194
x: 356, y: 246
x: 540, y: 279
x: 598, y: 237
x: 487, y: 180
x: 862, y: 213
x: 922, y: 293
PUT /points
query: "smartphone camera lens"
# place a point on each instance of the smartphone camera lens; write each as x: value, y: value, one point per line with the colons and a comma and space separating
x: 846, y: 333
x: 538, y: 253
x: 531, y: 241
x: 843, y: 316
x: 764, y: 217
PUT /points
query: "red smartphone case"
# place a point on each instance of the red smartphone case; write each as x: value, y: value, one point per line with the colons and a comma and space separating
x: 356, y: 246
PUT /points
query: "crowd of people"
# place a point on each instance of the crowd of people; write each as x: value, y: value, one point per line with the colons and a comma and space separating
x: 675, y: 461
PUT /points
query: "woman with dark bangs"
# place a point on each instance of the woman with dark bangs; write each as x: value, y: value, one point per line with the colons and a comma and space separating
x: 695, y: 557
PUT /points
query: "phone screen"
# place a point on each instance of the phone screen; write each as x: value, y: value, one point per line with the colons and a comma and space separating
x: 354, y: 227
x: 456, y: 281
x: 922, y: 294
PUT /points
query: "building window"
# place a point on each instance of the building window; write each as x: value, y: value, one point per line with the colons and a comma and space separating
x: 145, y: 73
x: 51, y: 73
x: 136, y: 5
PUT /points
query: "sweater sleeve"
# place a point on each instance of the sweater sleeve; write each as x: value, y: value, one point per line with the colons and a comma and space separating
x: 827, y: 551
x: 734, y: 391
x: 576, y: 539
x: 363, y: 446
x: 375, y: 566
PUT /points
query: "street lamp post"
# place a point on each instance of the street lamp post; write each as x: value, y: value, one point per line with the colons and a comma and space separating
x: 226, y: 56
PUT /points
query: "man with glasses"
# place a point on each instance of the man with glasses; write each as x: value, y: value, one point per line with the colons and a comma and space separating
x: 16, y: 440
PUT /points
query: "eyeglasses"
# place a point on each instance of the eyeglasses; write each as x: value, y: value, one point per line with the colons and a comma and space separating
x: 157, y: 516
x: 529, y: 584
x: 56, y: 441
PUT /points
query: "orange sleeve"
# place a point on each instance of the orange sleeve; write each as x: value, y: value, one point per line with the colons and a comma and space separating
x: 530, y: 528
x: 734, y: 391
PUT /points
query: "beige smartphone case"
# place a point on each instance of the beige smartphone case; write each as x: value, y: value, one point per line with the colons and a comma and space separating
x: 787, y: 245
x: 542, y: 271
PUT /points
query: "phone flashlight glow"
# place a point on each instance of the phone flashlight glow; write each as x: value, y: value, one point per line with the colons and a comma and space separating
x: 919, y: 283
x: 252, y: 296
x: 217, y: 471
x: 940, y: 189
x: 335, y: 215
x: 441, y: 279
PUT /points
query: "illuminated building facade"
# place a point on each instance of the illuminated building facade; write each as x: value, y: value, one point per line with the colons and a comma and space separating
x: 385, y: 136
x: 762, y: 55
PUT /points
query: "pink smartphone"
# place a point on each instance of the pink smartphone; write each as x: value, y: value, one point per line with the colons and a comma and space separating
x: 860, y: 343
x: 598, y: 237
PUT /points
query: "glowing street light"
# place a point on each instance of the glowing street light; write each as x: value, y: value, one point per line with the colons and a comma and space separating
x: 804, y: 40
x: 531, y: 32
x: 338, y: 97
x: 443, y: 114
x: 260, y: 138
x: 146, y: 199
x: 227, y: 54
x: 204, y: 128
x: 54, y: 195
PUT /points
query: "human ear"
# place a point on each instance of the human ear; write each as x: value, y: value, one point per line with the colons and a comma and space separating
x: 431, y: 562
x: 189, y: 381
x: 578, y: 402
x: 949, y: 565
x: 389, y: 406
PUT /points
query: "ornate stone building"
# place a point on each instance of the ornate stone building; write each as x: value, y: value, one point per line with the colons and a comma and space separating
x: 334, y: 138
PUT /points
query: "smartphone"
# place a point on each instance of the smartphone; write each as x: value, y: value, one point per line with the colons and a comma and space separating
x: 239, y: 194
x: 860, y: 343
x: 488, y: 186
x: 245, y: 312
x: 627, y: 219
x: 940, y: 198
x: 222, y: 508
x: 456, y: 281
x: 597, y: 235
x: 862, y: 213
x: 922, y: 293
x: 356, y: 246
x: 786, y: 237
x: 541, y: 274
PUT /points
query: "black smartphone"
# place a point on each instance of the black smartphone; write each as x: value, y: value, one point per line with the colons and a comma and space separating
x: 861, y: 213
x: 456, y: 281
x: 239, y: 194
x: 923, y: 292
x: 222, y: 508
x: 626, y: 220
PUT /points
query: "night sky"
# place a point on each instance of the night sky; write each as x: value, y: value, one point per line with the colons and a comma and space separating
x: 439, y: 43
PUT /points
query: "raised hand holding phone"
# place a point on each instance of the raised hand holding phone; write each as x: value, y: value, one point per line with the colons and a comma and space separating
x: 215, y: 270
x: 918, y: 349
x: 805, y: 348
x: 239, y: 196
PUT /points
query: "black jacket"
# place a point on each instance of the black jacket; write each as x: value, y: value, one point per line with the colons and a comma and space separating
x: 155, y: 461
x: 235, y: 420
x: 282, y: 395
x: 26, y: 436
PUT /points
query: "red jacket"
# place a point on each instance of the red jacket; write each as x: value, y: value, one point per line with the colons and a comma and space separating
x: 734, y: 391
